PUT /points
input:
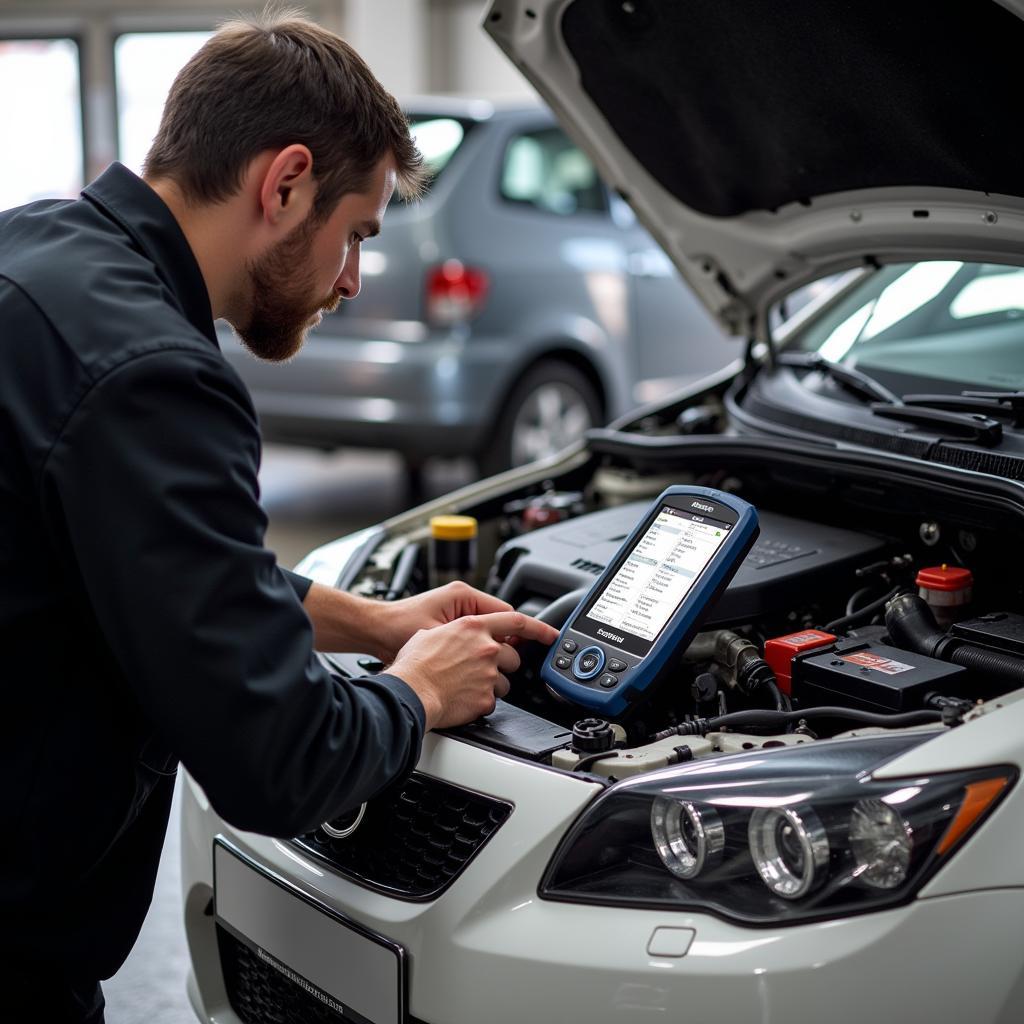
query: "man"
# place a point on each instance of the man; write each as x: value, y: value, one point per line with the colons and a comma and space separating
x: 141, y: 618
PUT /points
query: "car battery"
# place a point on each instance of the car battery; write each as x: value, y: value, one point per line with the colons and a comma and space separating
x: 874, y: 677
x: 1000, y: 631
x: 780, y: 651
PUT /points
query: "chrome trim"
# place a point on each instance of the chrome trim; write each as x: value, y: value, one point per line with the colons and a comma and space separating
x: 344, y: 833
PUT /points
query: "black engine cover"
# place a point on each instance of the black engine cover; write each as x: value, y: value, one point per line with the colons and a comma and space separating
x: 791, y: 559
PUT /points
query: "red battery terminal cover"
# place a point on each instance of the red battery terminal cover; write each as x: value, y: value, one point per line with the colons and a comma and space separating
x: 780, y: 651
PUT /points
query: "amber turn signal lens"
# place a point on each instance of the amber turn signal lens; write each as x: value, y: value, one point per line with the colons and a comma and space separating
x: 978, y: 798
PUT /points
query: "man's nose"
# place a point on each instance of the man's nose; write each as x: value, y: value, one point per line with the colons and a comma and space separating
x: 347, y: 285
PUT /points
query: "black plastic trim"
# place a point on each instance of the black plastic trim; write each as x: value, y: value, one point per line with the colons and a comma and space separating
x: 871, y: 466
x: 391, y: 892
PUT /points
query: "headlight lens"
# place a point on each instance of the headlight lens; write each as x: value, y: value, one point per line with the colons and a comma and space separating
x: 689, y: 837
x: 790, y: 849
x: 773, y: 837
x: 882, y: 842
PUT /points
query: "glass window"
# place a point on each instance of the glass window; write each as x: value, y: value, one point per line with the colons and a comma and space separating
x: 44, y: 125
x: 438, y: 139
x: 145, y: 64
x: 545, y: 170
x: 999, y: 291
x: 945, y: 321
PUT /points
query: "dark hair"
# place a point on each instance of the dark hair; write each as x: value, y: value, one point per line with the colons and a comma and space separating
x: 267, y: 83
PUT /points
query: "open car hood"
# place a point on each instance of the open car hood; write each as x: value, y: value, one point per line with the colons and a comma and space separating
x: 767, y: 144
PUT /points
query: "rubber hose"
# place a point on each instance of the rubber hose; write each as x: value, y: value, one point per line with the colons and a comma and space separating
x: 1004, y: 667
x: 778, y: 719
x: 912, y: 625
x: 781, y: 704
x: 867, y: 611
x: 702, y: 647
x: 585, y: 762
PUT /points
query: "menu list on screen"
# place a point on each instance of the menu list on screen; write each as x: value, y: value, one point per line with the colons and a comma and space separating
x: 658, y: 573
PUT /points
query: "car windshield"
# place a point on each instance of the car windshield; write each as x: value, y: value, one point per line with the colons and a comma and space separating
x: 437, y: 138
x: 949, y: 324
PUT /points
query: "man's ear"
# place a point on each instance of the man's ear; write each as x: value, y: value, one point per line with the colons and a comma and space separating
x: 288, y: 189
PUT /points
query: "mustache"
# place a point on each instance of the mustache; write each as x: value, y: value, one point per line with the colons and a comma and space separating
x: 332, y: 302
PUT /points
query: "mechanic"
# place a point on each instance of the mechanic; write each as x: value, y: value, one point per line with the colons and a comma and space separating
x: 142, y: 621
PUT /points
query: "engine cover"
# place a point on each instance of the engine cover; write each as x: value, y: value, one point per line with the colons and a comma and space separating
x: 790, y: 559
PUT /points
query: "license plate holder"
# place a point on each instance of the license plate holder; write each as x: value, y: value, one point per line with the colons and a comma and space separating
x: 356, y: 972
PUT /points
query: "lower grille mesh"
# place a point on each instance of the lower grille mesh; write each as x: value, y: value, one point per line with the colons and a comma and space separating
x: 413, y: 842
x: 260, y: 994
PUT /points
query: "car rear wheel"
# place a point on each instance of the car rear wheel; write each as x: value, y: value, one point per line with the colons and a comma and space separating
x: 550, y: 407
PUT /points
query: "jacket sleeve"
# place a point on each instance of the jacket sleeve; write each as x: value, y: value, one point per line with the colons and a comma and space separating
x: 300, y: 584
x: 154, y: 479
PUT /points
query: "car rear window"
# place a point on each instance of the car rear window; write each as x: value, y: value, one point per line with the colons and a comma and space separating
x: 438, y: 139
x: 544, y: 169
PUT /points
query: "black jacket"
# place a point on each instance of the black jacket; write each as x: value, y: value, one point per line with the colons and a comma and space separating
x: 141, y: 618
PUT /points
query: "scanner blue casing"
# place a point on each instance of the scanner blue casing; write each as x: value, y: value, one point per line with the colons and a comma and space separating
x: 680, y: 628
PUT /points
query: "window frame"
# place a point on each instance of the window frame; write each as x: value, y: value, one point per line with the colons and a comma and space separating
x: 51, y: 32
x: 128, y: 29
x: 521, y: 129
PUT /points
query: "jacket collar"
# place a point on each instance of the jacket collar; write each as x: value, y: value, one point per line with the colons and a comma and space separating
x: 140, y: 212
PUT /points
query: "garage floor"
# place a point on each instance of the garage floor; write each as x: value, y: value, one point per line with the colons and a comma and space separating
x: 310, y: 498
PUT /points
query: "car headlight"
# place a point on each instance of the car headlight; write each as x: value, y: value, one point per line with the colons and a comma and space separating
x: 774, y: 837
x: 689, y: 837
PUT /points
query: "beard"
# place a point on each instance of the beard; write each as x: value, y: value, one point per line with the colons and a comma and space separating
x: 283, y: 308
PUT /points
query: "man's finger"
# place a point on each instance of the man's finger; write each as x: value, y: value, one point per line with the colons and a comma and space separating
x: 501, y: 687
x: 485, y: 604
x: 508, y: 659
x: 502, y: 624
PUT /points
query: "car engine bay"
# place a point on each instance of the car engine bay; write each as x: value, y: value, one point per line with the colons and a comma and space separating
x: 874, y: 599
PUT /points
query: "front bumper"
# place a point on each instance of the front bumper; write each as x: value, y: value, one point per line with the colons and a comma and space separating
x: 488, y: 949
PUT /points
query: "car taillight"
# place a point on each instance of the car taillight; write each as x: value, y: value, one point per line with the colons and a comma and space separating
x: 455, y: 293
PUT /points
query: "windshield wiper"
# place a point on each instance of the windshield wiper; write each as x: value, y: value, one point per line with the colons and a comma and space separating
x: 857, y: 383
x: 1008, y: 405
x: 958, y: 420
x: 960, y: 426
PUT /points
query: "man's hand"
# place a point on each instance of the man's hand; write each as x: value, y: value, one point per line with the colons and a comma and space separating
x: 399, y: 620
x: 454, y: 646
x: 459, y: 669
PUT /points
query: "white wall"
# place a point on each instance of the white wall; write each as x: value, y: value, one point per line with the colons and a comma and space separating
x: 436, y: 46
x: 474, y: 63
x: 413, y: 46
x: 391, y: 36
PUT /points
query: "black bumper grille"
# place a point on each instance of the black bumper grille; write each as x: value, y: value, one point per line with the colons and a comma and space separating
x: 413, y: 842
x: 261, y: 994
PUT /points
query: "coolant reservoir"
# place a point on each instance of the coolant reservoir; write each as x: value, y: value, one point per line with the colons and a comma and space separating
x: 947, y: 589
x: 452, y: 549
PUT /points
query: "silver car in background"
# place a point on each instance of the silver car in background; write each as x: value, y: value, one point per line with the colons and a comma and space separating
x: 516, y: 306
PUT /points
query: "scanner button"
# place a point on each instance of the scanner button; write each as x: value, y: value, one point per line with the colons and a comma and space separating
x: 588, y: 663
x: 570, y: 646
x: 608, y: 681
x: 562, y: 661
x: 617, y: 666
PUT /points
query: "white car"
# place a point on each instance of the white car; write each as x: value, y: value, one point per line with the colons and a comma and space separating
x: 818, y: 815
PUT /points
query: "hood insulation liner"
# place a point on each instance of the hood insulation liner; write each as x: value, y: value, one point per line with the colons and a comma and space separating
x: 742, y: 105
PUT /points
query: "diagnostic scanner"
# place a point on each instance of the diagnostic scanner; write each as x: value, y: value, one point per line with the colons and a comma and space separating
x: 651, y: 598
